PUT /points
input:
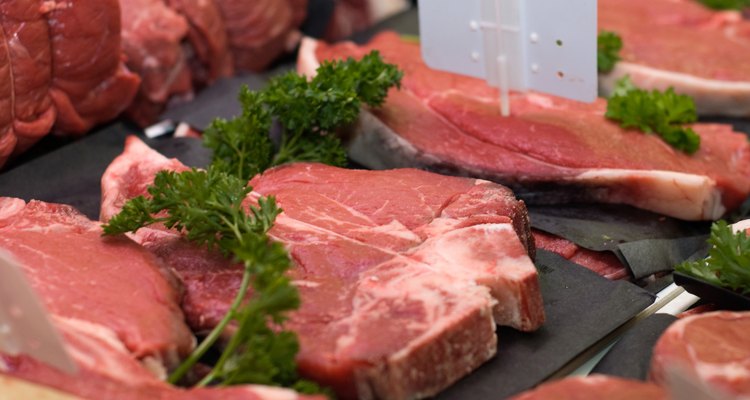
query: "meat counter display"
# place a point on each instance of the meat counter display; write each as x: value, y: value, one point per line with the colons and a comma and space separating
x: 402, y: 274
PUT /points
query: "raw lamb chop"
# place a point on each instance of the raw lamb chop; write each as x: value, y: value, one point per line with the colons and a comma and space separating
x: 681, y: 43
x: 107, y: 371
x: 595, y: 387
x: 402, y: 274
x: 713, y: 347
x: 82, y: 277
x: 550, y: 150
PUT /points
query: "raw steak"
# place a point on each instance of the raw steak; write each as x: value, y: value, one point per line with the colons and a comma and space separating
x: 152, y: 36
x: 108, y: 371
x: 713, y: 347
x: 81, y: 276
x: 451, y: 123
x: 260, y: 31
x: 90, y: 83
x: 26, y: 109
x: 603, y: 263
x: 595, y: 387
x: 680, y: 43
x: 403, y: 274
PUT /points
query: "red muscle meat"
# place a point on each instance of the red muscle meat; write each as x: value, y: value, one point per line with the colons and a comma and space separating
x: 712, y: 347
x: 429, y: 262
x: 595, y: 387
x: 26, y: 109
x: 260, y: 31
x: 107, y: 371
x: 451, y: 123
x: 90, y: 83
x: 152, y: 36
x: 603, y: 263
x: 685, y: 45
x: 111, y: 282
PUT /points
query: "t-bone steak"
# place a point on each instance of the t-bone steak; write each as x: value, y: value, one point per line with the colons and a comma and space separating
x: 451, y: 123
x: 403, y: 274
x: 595, y: 387
x: 682, y: 44
x: 81, y: 276
x: 713, y: 347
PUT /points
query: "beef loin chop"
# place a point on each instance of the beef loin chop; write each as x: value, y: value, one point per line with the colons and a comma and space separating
x: 81, y: 276
x: 451, y: 123
x: 685, y: 45
x: 402, y: 274
x: 595, y: 387
x: 713, y: 347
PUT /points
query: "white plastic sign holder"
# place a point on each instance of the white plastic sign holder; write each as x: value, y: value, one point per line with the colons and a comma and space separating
x: 543, y: 45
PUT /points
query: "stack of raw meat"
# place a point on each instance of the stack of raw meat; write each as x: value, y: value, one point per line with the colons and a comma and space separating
x: 67, y: 66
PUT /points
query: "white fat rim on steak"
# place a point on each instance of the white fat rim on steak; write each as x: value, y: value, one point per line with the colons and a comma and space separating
x: 712, y: 96
x: 681, y: 195
x: 741, y: 226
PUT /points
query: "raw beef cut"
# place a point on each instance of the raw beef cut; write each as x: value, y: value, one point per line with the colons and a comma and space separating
x: 603, y: 263
x: 108, y: 371
x: 595, y: 387
x: 83, y: 277
x: 260, y: 31
x: 549, y: 150
x: 713, y: 347
x: 402, y: 274
x: 90, y: 83
x: 26, y: 109
x: 681, y: 43
x: 152, y: 36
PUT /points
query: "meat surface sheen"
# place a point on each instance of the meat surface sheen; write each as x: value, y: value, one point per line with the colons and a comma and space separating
x: 549, y: 150
x: 106, y: 370
x: 402, y: 274
x: 26, y: 109
x: 112, y: 282
x: 90, y: 83
x: 682, y: 44
x: 595, y: 387
x: 713, y: 347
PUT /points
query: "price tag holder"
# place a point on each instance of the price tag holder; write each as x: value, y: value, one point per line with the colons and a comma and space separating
x: 543, y: 45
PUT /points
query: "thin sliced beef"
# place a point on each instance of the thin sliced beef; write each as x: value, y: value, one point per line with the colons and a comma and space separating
x: 112, y: 282
x: 260, y: 31
x: 550, y: 150
x: 681, y: 43
x: 428, y: 262
x: 595, y: 387
x: 152, y: 36
x: 209, y: 55
x: 26, y: 109
x: 712, y: 347
x: 90, y: 83
x: 108, y: 371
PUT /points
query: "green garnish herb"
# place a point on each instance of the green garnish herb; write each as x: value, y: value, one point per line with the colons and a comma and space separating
x: 728, y: 261
x: 207, y: 207
x: 309, y: 112
x: 726, y: 4
x: 609, y: 45
x: 661, y: 113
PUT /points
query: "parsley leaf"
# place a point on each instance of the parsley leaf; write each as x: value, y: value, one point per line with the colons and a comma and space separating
x: 661, y: 113
x: 728, y: 261
x: 609, y: 45
x: 726, y: 4
x: 309, y: 111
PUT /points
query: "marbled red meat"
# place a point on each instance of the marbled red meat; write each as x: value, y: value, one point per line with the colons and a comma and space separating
x: 712, y: 347
x: 429, y: 262
x: 698, y: 51
x: 451, y: 123
x: 595, y: 387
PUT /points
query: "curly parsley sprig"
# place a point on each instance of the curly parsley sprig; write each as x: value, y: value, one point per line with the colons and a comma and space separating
x: 728, y: 261
x: 726, y: 4
x: 609, y: 45
x: 661, y: 113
